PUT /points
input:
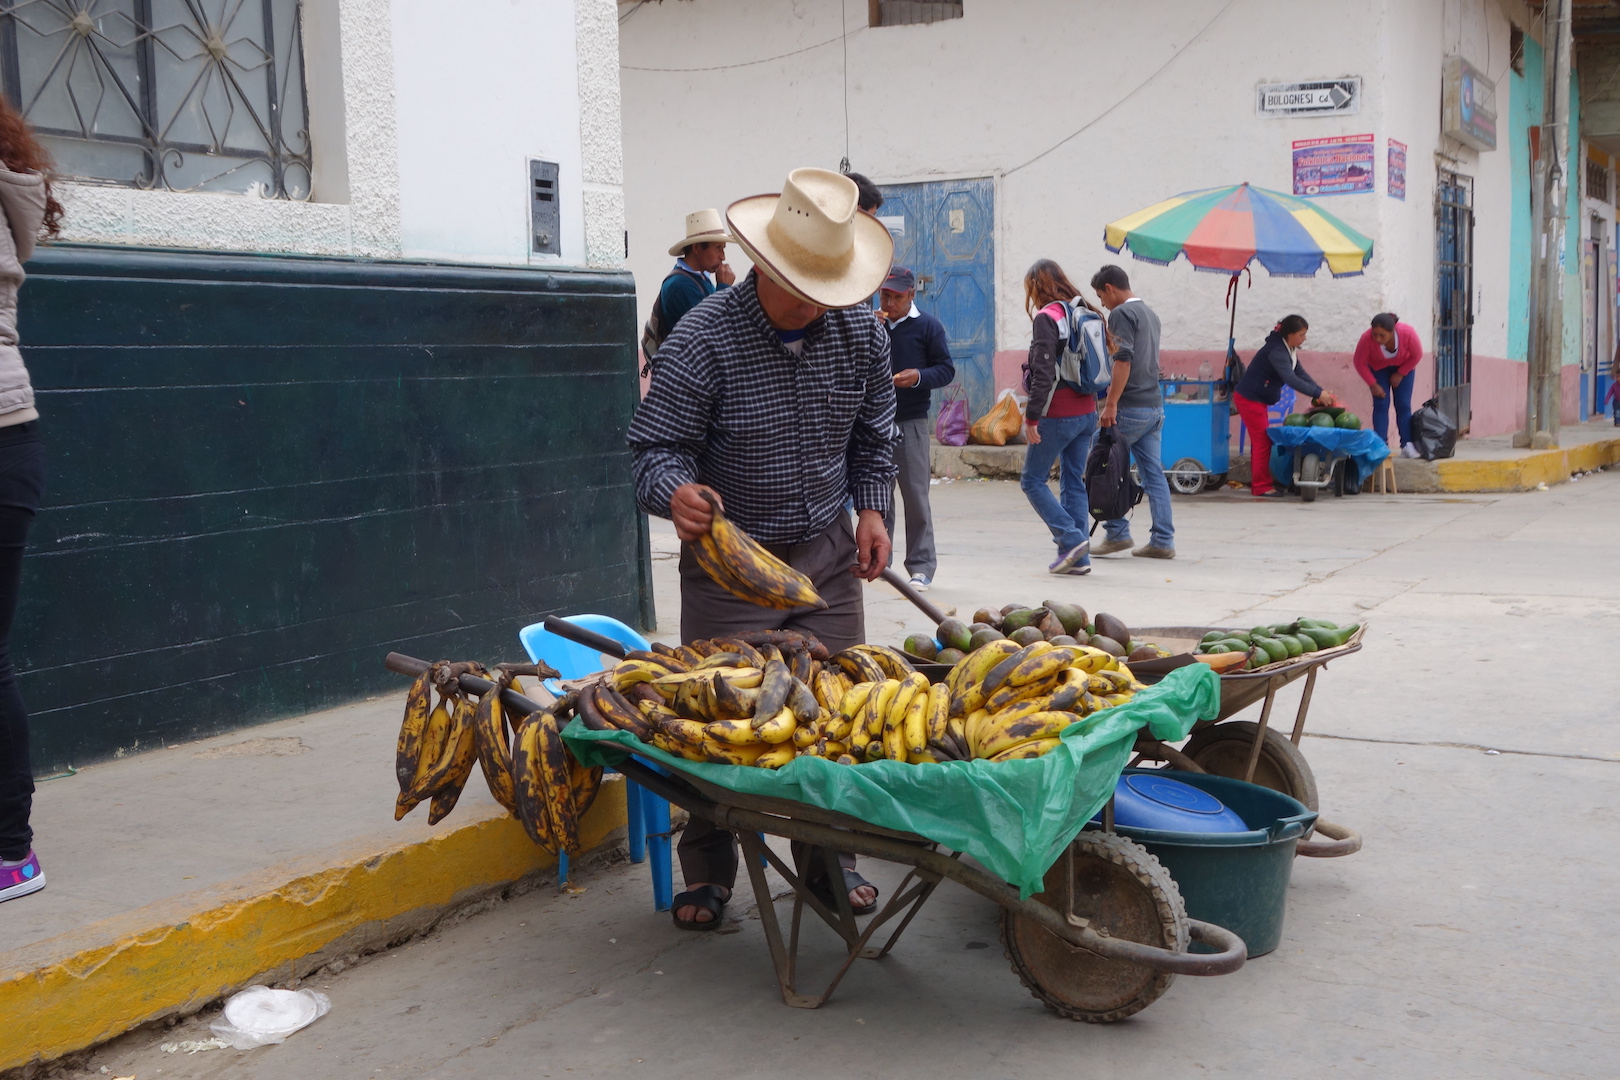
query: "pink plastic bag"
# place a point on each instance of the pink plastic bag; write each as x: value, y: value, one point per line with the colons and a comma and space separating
x: 951, y: 429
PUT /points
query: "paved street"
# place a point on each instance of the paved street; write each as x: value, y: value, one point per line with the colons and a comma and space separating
x: 1471, y: 743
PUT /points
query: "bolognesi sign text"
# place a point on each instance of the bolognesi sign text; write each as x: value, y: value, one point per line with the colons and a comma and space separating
x: 1323, y: 97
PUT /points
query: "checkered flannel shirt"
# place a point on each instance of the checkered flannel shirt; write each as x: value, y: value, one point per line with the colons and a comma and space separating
x: 784, y: 439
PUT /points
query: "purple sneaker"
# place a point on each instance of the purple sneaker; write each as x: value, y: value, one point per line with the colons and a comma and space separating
x: 22, y: 878
x: 1067, y: 559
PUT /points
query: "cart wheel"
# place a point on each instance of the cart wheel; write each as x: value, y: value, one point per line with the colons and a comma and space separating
x: 1223, y: 749
x: 1310, y: 468
x: 1119, y: 887
x: 1187, y: 477
x: 1216, y: 482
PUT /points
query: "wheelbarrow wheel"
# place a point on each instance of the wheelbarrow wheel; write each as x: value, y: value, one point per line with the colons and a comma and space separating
x: 1120, y: 888
x: 1223, y: 749
x: 1310, y: 468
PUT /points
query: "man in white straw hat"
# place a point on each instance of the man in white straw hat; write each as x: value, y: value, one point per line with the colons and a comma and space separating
x: 700, y: 271
x: 776, y: 397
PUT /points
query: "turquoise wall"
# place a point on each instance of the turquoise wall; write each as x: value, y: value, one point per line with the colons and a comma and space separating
x: 1526, y: 111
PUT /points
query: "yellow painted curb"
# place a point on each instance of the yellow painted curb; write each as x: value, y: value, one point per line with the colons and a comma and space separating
x: 93, y: 984
x: 1525, y: 472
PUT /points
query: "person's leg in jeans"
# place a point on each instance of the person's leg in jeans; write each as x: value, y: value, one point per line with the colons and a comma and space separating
x: 1380, y: 406
x: 1255, y: 421
x: 1072, y: 476
x: 1056, y: 435
x: 914, y: 457
x: 22, y: 476
x: 1142, y: 430
x: 1403, y: 408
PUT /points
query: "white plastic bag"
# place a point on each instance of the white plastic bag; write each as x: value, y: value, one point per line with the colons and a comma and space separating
x: 260, y: 1016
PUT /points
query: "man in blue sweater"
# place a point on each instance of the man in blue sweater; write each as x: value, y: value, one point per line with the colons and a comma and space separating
x: 921, y: 360
x: 701, y: 254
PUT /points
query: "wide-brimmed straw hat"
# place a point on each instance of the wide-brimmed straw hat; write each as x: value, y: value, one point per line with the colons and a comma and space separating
x: 703, y: 227
x: 813, y: 240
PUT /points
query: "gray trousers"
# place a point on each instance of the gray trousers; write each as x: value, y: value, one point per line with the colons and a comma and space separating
x: 912, y: 454
x: 708, y: 852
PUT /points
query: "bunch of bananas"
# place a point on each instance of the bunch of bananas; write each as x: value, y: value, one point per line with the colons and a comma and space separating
x: 528, y: 769
x: 742, y: 567
x: 733, y: 702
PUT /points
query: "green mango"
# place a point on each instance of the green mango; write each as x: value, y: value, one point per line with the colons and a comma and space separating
x: 1274, y: 648
x: 1295, y: 646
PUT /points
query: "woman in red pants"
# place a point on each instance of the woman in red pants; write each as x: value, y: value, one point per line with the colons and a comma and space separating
x: 1274, y: 364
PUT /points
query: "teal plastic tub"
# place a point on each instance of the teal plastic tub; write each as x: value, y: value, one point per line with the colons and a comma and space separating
x: 1238, y: 880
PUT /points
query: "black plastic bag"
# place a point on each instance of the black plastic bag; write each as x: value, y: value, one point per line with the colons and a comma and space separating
x: 1433, y: 433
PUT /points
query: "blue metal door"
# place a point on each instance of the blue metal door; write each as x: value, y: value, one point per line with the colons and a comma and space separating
x: 944, y: 231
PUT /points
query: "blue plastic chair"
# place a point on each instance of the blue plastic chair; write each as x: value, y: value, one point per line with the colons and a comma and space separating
x: 648, y: 815
x: 1276, y: 414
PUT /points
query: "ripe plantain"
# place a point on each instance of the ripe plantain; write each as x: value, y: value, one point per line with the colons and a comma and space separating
x: 1009, y: 695
x: 778, y: 729
x: 998, y: 735
x: 802, y: 701
x: 584, y: 783
x: 1034, y: 748
x: 859, y: 666
x: 694, y: 698
x: 494, y: 752
x: 999, y: 674
x: 1045, y: 665
x: 732, y: 732
x: 914, y: 726
x: 969, y: 693
x: 619, y: 712
x: 529, y: 781
x: 744, y: 568
x: 776, y: 756
x: 408, y: 748
x: 893, y: 663
x: 776, y: 683
x: 733, y: 702
x: 558, y: 790
x: 451, y: 772
x: 854, y: 699
x: 721, y: 754
x: 939, y: 704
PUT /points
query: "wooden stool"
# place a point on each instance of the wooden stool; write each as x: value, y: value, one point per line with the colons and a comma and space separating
x: 1384, y: 478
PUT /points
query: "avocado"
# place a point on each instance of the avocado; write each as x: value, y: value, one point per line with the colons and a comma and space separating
x: 1063, y: 639
x: 1348, y: 421
x: 1213, y: 635
x: 975, y: 627
x: 1258, y: 657
x: 1107, y: 645
x: 1027, y: 635
x: 982, y: 638
x: 954, y: 634
x: 1110, y: 627
x: 1143, y: 652
x: 1072, y: 616
x: 988, y: 616
x: 1294, y: 420
x: 1239, y: 643
x: 1022, y: 617
x: 950, y: 656
x: 1274, y: 648
x: 1320, y: 419
x: 1011, y: 607
x: 921, y: 645
x: 1051, y: 626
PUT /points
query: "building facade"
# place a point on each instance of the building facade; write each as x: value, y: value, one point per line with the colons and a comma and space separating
x: 334, y: 357
x: 1014, y: 130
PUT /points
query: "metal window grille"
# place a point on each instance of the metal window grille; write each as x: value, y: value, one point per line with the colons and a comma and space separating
x: 1454, y: 281
x: 179, y: 95
x: 1597, y: 182
x: 903, y: 12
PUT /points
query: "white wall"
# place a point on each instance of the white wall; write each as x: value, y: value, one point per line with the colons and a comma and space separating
x: 985, y: 94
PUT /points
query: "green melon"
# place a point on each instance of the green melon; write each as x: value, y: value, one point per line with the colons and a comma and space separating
x: 1349, y: 421
x: 1295, y: 420
x: 1321, y: 419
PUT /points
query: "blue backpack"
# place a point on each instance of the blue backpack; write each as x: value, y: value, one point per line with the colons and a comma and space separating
x: 1084, y: 365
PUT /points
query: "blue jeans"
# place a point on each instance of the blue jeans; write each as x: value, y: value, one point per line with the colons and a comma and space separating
x: 1402, y: 396
x: 1067, y: 438
x: 1142, y: 430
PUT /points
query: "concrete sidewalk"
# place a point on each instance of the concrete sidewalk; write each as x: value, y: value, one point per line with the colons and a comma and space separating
x: 181, y: 874
x: 1480, y: 465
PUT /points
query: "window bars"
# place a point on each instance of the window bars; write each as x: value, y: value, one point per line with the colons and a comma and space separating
x: 176, y: 95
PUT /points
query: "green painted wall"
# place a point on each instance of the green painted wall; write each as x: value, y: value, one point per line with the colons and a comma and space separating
x: 266, y: 472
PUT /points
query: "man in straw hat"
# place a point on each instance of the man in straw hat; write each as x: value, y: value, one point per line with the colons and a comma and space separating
x: 776, y: 397
x: 699, y: 255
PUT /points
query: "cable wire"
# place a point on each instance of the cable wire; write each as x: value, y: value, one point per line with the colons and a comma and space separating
x: 843, y: 20
x: 745, y: 63
x: 1139, y: 87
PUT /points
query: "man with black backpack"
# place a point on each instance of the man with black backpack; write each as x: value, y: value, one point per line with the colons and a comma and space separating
x: 1135, y: 407
x: 701, y: 254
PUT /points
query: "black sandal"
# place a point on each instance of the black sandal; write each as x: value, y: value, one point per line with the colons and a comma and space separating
x: 821, y: 889
x: 707, y: 897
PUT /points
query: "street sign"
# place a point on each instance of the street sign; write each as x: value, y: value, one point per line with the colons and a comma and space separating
x: 1324, y: 97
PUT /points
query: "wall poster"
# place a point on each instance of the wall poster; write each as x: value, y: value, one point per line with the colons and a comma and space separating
x: 1397, y: 170
x: 1339, y: 165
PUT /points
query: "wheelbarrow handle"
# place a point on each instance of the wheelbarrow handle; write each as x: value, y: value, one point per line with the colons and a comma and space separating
x: 1343, y: 841
x: 581, y: 636
x: 400, y: 664
x: 913, y: 595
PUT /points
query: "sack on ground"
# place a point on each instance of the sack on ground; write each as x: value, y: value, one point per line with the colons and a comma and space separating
x: 1113, y: 492
x: 951, y: 428
x: 998, y: 426
x: 1433, y: 433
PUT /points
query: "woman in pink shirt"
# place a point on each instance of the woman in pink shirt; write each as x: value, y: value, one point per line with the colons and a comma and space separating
x: 1385, y: 358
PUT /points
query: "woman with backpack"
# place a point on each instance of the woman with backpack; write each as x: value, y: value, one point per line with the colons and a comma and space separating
x: 1060, y: 421
x: 1275, y: 364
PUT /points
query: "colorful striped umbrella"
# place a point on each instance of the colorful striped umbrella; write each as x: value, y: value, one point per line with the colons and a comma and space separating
x: 1222, y: 230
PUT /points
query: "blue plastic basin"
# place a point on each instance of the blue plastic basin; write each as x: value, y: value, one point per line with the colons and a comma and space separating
x: 1151, y: 800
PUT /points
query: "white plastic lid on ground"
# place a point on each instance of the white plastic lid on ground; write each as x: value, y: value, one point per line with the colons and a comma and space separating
x: 260, y: 1016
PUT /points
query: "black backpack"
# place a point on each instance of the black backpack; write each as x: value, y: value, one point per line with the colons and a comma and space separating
x: 1110, y: 487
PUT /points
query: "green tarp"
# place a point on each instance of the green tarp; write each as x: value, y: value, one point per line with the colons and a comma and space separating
x: 1015, y: 817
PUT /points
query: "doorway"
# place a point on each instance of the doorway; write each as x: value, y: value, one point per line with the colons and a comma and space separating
x: 944, y: 230
x: 1454, y: 296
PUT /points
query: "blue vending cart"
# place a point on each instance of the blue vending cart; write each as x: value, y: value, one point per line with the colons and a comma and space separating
x: 1197, y: 429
